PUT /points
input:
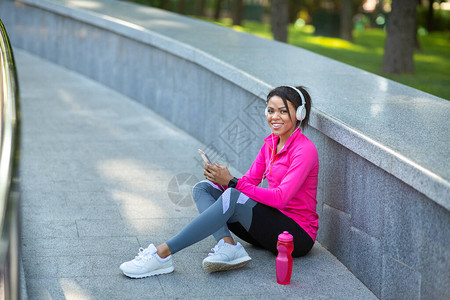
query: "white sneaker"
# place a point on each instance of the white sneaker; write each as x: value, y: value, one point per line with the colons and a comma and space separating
x: 147, y: 263
x: 225, y: 256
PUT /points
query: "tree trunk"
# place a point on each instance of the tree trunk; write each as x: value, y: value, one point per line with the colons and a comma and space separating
x: 347, y: 20
x: 430, y: 16
x: 201, y: 8
x: 417, y: 46
x: 279, y: 19
x: 401, y: 31
x: 238, y: 11
x: 182, y: 7
x: 165, y: 5
x: 217, y: 9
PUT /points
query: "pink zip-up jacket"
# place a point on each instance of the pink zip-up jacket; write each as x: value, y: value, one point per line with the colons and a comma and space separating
x: 292, y: 175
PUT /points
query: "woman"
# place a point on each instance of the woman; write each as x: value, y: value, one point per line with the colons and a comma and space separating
x: 257, y: 215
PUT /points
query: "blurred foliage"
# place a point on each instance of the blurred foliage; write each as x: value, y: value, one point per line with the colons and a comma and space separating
x: 259, y: 10
x: 432, y: 63
x: 441, y: 18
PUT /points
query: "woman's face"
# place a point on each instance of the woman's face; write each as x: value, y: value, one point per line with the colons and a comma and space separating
x: 278, y: 117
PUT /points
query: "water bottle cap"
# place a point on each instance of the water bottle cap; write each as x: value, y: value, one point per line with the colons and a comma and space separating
x: 285, y: 237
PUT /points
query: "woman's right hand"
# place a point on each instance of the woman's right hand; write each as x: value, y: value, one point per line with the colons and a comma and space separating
x: 217, y: 173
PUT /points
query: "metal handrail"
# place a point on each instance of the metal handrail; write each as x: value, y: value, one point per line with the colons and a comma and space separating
x: 9, y: 184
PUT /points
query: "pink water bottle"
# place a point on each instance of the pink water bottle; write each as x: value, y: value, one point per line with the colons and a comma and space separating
x: 284, y: 260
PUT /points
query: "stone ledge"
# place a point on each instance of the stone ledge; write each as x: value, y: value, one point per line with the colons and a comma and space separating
x: 423, y: 180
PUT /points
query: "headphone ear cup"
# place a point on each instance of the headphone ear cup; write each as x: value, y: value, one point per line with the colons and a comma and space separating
x: 301, y: 112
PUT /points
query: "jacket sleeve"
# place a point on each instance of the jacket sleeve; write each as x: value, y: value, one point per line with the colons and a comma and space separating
x: 301, y: 165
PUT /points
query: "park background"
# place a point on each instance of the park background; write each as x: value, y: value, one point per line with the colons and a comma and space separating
x: 350, y: 31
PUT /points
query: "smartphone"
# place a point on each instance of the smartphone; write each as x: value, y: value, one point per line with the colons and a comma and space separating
x: 207, y: 160
x: 204, y: 156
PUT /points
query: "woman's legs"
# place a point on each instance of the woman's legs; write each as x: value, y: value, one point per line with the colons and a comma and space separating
x: 257, y: 223
x: 231, y: 206
x: 205, y: 194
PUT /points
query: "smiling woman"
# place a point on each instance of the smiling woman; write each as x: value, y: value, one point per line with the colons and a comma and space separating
x: 289, y: 162
x: 283, y: 103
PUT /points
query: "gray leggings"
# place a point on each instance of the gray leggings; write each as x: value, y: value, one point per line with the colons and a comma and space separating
x: 217, y: 208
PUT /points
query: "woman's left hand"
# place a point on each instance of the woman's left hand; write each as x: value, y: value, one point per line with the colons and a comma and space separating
x: 217, y: 173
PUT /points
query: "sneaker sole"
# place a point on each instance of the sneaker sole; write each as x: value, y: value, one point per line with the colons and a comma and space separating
x: 217, y: 266
x: 157, y: 272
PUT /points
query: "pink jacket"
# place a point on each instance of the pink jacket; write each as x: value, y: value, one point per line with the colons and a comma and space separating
x: 292, y: 175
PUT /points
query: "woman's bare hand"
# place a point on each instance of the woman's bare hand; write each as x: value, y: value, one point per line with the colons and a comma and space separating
x: 217, y: 173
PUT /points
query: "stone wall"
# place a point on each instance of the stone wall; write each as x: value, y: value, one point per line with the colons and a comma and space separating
x: 382, y: 215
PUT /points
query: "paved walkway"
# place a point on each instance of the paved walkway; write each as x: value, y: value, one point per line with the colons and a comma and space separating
x: 100, y: 176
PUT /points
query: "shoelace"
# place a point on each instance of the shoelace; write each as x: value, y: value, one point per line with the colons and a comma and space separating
x: 214, y: 250
x: 144, y: 254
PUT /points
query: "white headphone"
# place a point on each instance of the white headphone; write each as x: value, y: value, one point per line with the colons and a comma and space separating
x: 300, y: 114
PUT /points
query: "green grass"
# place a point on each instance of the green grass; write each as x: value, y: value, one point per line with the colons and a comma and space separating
x: 431, y: 64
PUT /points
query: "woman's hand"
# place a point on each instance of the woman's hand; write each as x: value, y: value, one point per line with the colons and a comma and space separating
x: 217, y: 173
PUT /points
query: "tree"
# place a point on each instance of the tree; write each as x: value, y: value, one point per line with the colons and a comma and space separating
x: 237, y: 11
x: 217, y: 9
x: 200, y: 7
x: 165, y: 5
x: 347, y: 20
x: 401, y: 31
x: 430, y: 16
x: 182, y: 7
x: 416, y: 38
x: 279, y: 17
